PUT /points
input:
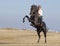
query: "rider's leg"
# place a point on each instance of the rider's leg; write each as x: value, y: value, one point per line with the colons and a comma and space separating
x: 36, y: 21
x: 40, y: 20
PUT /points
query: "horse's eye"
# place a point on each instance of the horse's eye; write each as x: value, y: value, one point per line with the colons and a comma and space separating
x: 33, y: 12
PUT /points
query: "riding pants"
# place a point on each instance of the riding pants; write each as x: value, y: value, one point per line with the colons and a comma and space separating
x: 40, y: 20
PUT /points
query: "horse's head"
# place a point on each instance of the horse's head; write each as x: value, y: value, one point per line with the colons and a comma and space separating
x: 33, y: 10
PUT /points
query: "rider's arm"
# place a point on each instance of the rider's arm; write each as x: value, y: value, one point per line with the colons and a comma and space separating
x: 40, y: 12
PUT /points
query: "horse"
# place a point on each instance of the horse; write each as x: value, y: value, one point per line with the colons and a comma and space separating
x: 39, y: 28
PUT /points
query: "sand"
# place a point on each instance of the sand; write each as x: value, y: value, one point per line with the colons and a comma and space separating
x: 14, y: 37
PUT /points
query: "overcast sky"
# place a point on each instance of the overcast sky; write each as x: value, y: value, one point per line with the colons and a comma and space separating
x: 12, y: 12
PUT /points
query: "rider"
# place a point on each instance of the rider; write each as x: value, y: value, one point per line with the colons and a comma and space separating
x: 40, y: 13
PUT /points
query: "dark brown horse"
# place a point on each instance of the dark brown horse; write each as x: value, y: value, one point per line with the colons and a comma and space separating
x: 32, y: 19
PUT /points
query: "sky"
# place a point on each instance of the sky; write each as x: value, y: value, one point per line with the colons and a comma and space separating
x: 13, y: 11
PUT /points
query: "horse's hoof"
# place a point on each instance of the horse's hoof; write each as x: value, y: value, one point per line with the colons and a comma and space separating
x: 37, y: 41
x: 45, y: 41
x: 23, y: 21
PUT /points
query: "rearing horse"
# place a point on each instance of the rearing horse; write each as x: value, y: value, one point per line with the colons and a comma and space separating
x: 37, y: 26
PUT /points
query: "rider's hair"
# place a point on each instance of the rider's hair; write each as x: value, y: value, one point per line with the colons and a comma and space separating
x: 39, y: 6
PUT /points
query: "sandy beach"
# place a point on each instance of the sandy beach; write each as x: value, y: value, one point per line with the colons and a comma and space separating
x: 15, y: 37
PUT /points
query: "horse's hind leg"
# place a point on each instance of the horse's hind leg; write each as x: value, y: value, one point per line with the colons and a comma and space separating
x: 45, y: 36
x: 38, y: 32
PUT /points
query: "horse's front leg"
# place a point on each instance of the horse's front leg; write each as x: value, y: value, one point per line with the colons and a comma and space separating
x: 25, y: 17
x: 28, y: 18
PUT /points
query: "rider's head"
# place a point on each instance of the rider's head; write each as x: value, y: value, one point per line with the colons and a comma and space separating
x: 39, y: 6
